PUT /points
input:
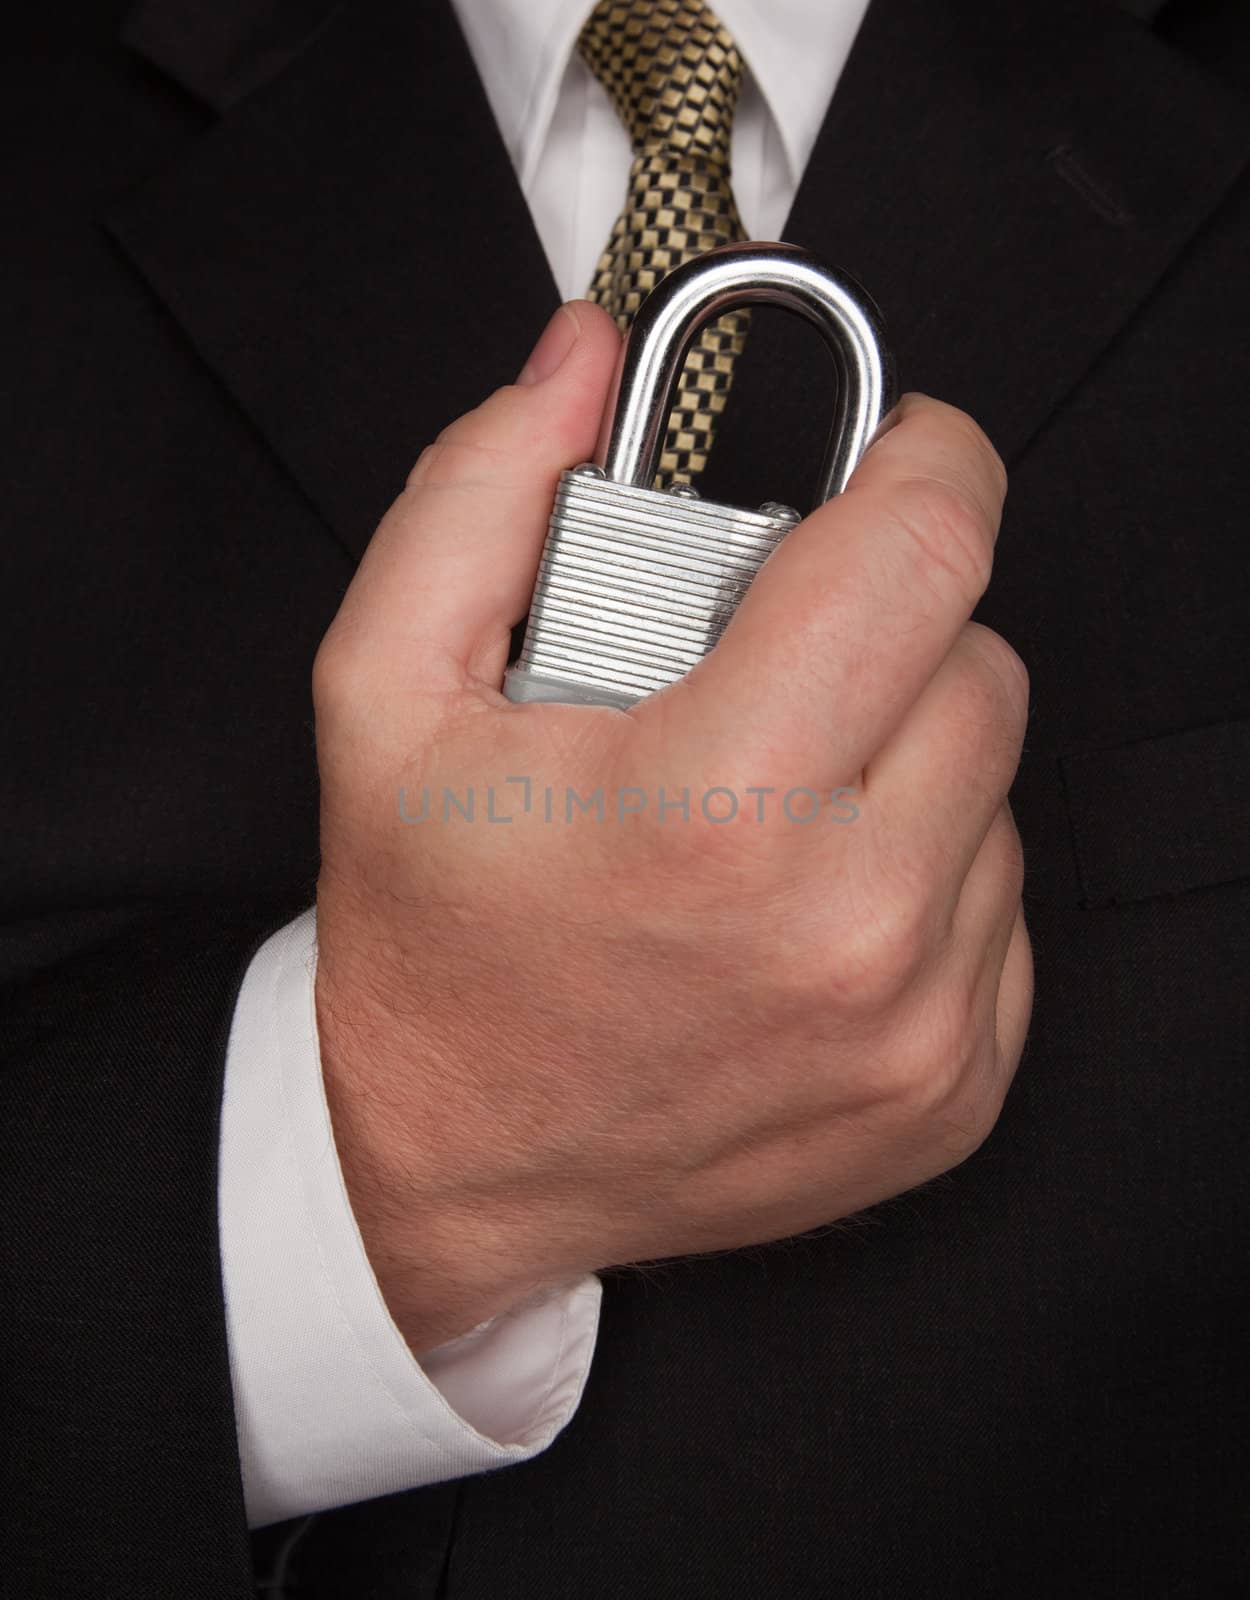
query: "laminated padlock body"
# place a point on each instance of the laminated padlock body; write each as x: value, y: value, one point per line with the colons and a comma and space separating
x: 634, y: 587
x: 636, y: 584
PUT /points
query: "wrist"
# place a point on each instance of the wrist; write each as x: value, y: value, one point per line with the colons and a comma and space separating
x: 444, y: 1261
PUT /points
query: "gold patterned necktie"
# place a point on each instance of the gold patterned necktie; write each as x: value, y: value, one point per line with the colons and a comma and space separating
x: 673, y: 73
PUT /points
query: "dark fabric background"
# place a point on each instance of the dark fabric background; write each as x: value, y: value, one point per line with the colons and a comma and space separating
x: 256, y: 255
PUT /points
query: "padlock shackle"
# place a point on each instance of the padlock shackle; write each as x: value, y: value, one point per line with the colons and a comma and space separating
x: 727, y: 279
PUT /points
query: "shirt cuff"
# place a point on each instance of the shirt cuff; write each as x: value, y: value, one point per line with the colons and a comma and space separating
x: 331, y: 1405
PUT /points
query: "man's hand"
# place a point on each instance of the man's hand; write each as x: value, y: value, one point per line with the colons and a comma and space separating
x: 587, y: 1037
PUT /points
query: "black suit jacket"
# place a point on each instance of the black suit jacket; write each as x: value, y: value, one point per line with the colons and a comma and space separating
x: 261, y: 251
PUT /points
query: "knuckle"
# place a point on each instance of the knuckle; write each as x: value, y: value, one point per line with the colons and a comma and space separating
x: 963, y: 1129
x: 1003, y: 669
x: 426, y: 465
x: 1011, y: 854
x: 349, y: 682
x: 856, y: 976
x: 976, y: 701
x: 985, y: 712
x: 978, y: 442
x: 880, y: 955
x: 942, y: 1070
x: 461, y: 455
x: 949, y: 533
x: 988, y: 726
x: 334, y: 672
x: 968, y: 1118
x: 791, y: 979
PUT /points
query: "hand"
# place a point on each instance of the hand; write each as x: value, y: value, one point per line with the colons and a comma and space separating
x: 554, y: 1046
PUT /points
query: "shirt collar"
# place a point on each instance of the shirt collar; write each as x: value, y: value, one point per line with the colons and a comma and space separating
x: 522, y: 49
x: 795, y: 50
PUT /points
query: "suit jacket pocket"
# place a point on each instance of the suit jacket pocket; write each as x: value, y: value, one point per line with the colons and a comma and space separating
x: 1161, y: 815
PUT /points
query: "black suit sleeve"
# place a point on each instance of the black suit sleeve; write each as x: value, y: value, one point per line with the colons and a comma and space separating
x: 116, y: 1393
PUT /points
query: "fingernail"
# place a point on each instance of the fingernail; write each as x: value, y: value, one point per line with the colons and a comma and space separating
x: 558, y: 338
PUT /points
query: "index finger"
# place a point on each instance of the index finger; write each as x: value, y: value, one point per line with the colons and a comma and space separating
x: 853, y: 614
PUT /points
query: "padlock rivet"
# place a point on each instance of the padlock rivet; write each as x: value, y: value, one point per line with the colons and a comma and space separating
x: 775, y: 508
x: 684, y: 491
x: 589, y: 470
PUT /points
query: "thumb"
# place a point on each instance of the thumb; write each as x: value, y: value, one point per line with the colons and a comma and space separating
x: 450, y: 570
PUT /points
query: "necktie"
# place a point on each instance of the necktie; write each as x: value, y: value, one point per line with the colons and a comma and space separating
x: 673, y: 73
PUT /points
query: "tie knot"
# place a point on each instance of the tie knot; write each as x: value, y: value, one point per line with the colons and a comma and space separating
x: 672, y: 70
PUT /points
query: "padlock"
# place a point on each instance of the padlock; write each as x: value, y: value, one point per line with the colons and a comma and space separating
x: 636, y: 584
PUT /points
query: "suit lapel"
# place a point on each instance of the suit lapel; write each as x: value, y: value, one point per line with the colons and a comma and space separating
x: 222, y: 52
x: 1010, y: 183
x: 348, y: 248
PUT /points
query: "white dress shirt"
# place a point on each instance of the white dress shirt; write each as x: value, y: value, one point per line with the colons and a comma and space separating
x: 332, y: 1407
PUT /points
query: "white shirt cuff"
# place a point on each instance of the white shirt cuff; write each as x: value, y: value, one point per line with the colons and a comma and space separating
x: 331, y: 1405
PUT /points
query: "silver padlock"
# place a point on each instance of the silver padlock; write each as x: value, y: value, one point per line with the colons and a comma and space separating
x: 637, y: 584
